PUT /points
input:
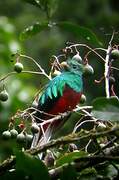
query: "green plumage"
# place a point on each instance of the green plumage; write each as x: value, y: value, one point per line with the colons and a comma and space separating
x: 71, y: 76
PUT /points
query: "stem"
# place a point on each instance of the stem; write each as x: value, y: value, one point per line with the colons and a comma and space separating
x: 93, y: 50
x: 106, y: 73
x: 7, y: 75
x: 115, y: 68
x: 38, y: 65
x: 102, y: 49
x: 12, y: 73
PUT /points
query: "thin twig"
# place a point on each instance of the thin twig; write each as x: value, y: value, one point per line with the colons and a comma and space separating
x: 13, y: 73
x: 106, y: 73
x: 102, y: 49
x: 91, y: 49
x: 37, y: 64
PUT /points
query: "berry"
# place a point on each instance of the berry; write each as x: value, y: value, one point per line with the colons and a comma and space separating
x: 88, y: 69
x: 68, y: 49
x: 6, y: 135
x: 35, y: 128
x: 21, y: 138
x: 4, y: 95
x: 18, y: 67
x: 49, y: 159
x: 77, y: 57
x: 29, y: 137
x: 83, y: 99
x: 115, y: 54
x: 13, y: 133
x: 21, y: 125
x: 64, y: 65
x: 72, y: 147
x: 56, y: 73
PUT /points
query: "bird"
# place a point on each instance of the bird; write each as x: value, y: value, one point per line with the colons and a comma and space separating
x: 61, y: 94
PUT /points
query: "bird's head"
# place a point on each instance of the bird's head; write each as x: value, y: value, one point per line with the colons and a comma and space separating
x: 73, y: 66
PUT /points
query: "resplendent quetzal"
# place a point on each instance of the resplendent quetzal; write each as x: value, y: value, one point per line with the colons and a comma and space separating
x: 61, y: 94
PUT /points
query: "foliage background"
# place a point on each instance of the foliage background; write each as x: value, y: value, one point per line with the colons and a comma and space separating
x: 101, y: 16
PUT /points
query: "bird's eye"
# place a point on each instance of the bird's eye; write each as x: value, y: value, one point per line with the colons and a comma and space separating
x: 74, y: 67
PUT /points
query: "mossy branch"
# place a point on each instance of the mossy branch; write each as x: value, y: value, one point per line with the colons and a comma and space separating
x: 8, y: 163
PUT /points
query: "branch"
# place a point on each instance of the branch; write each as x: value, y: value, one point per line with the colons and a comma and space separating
x: 91, y: 49
x: 82, y: 163
x: 8, y: 163
x: 72, y: 138
x: 107, y: 91
x: 38, y: 65
x: 12, y: 73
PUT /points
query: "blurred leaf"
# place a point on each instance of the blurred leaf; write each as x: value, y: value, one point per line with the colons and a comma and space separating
x: 80, y: 31
x: 69, y: 157
x: 106, y: 109
x: 13, y: 175
x: 69, y: 173
x: 49, y: 6
x: 33, y: 2
x: 88, y: 174
x: 33, y: 30
x: 31, y: 166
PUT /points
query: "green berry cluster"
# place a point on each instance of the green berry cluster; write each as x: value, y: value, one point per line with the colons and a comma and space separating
x: 23, y: 136
x: 20, y: 137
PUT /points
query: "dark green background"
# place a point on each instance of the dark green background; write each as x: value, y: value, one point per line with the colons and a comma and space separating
x: 101, y: 16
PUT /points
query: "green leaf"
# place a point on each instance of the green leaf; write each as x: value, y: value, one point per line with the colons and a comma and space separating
x: 48, y: 6
x: 69, y: 173
x: 31, y: 166
x: 88, y: 174
x: 33, y: 30
x: 80, y: 32
x: 51, y: 7
x: 34, y: 2
x: 106, y: 109
x: 69, y: 157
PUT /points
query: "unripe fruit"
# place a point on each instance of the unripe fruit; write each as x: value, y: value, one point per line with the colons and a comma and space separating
x: 35, y: 128
x: 4, y: 96
x: 29, y: 137
x: 83, y: 99
x: 13, y: 133
x: 6, y: 135
x: 18, y: 67
x: 21, y: 138
x: 68, y: 50
x: 77, y: 57
x: 64, y: 65
x: 49, y: 159
x: 88, y: 69
x: 115, y: 54
x: 56, y: 73
x: 72, y: 147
